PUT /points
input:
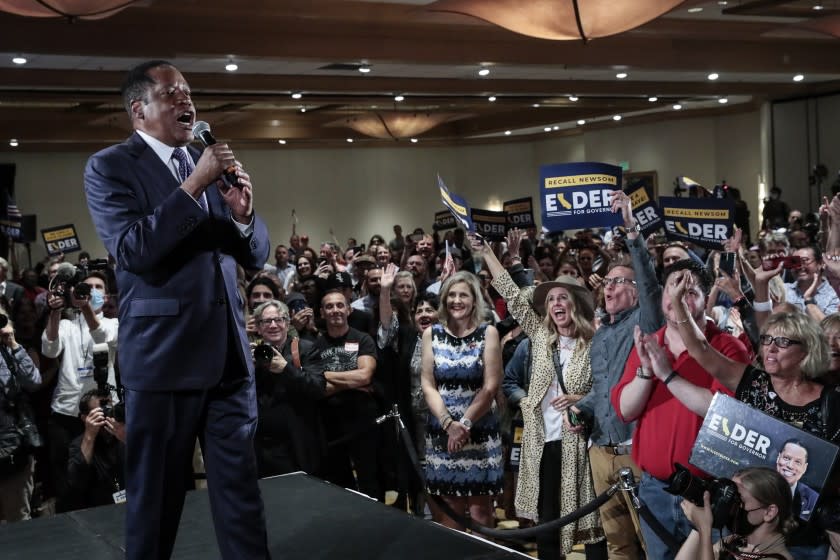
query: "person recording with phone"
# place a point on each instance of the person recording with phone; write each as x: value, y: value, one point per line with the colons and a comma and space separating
x: 96, y: 466
x: 75, y: 324
x: 178, y: 222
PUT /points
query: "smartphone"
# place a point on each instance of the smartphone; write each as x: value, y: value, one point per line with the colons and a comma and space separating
x: 574, y: 419
x: 297, y: 306
x: 790, y: 262
x: 529, y: 276
x: 727, y: 263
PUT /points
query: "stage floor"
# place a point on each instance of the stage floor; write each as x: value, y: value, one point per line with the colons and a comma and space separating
x: 307, y: 519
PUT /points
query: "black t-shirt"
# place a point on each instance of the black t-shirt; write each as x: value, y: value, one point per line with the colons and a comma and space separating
x: 342, y: 354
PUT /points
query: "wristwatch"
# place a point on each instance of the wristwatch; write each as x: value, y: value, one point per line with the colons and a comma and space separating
x: 466, y: 422
x: 640, y: 373
x: 636, y: 228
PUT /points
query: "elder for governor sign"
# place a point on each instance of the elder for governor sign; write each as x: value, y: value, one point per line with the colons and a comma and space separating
x: 703, y: 221
x: 577, y: 195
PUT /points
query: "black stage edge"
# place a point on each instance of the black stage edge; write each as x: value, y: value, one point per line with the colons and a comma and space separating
x: 307, y: 519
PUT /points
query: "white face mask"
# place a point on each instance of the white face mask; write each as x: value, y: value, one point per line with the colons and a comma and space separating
x: 97, y: 299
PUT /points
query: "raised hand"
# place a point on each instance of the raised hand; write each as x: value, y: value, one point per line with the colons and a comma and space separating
x: 387, y: 281
x: 514, y: 240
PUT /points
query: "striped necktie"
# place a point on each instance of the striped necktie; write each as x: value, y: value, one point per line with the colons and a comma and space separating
x: 185, y: 167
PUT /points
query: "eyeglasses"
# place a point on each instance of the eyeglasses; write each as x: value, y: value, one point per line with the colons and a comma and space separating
x: 278, y: 320
x: 616, y: 280
x: 484, y: 277
x: 779, y: 341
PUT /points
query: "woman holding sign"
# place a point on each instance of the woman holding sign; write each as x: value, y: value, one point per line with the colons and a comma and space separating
x: 794, y: 354
x: 554, y: 474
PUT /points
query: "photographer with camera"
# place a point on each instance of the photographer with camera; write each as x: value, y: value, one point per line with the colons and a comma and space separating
x: 96, y: 468
x: 72, y: 339
x: 18, y: 434
x: 759, y: 526
x: 290, y: 436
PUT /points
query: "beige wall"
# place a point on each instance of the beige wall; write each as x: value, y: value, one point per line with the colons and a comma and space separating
x: 362, y: 191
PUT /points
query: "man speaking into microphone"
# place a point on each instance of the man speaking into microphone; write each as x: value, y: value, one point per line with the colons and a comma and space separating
x: 177, y: 231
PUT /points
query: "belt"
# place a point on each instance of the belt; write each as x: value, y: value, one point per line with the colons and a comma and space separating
x: 617, y: 449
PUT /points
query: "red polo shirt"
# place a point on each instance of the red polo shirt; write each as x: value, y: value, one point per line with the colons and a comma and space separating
x: 666, y: 430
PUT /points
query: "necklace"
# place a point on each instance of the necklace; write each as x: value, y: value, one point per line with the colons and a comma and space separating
x: 566, y: 342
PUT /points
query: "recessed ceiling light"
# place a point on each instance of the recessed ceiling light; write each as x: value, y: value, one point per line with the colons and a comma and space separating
x: 491, y: 99
x: 303, y: 109
x: 713, y: 76
x: 555, y: 127
x: 281, y: 141
x: 581, y: 122
x: 621, y: 75
x: 350, y: 140
x: 13, y: 143
x: 507, y: 132
x: 677, y: 106
x: 297, y: 95
x: 723, y: 100
x: 653, y: 99
x: 616, y: 117
x: 818, y: 7
x: 19, y: 60
x: 535, y: 105
x: 231, y: 67
x: 798, y: 78
x: 399, y: 97
x: 484, y: 72
x: 414, y: 140
x: 722, y: 2
x: 547, y: 129
x: 364, y: 68
x: 573, y: 98
x: 695, y: 10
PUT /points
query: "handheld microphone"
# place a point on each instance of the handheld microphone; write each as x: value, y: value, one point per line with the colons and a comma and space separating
x: 201, y: 130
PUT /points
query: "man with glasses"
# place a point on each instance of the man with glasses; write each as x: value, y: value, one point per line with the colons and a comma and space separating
x: 629, y: 299
x: 817, y: 300
x: 290, y: 436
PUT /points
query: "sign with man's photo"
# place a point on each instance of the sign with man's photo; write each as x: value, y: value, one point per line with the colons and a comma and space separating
x: 735, y: 436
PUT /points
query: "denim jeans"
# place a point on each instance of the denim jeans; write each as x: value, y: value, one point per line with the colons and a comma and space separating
x: 666, y: 509
x: 818, y: 552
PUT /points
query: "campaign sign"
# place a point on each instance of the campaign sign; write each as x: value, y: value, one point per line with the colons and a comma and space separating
x: 444, y: 220
x: 645, y: 209
x: 577, y: 195
x: 520, y: 212
x: 61, y: 239
x: 20, y: 229
x: 490, y: 224
x: 457, y: 205
x: 735, y: 436
x: 703, y: 221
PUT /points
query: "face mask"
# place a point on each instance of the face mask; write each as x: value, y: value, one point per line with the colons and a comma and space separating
x: 741, y: 525
x: 97, y: 299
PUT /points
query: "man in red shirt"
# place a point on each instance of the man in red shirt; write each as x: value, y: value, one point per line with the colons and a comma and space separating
x: 668, y: 393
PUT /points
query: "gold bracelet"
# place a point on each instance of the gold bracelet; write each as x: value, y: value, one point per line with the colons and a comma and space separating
x: 686, y: 320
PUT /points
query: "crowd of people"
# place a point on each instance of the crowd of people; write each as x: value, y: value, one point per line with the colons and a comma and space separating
x: 608, y: 353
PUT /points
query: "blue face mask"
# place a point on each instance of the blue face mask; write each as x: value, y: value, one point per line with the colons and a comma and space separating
x: 97, y: 299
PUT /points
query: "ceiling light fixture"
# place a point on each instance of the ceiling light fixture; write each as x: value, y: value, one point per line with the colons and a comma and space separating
x: 621, y: 75
x: 297, y: 95
x: 399, y: 98
x: 535, y: 105
x: 573, y: 98
x: 818, y: 6
x: 798, y: 78
x: 13, y: 143
x: 484, y: 72
x: 723, y: 100
x: 616, y: 117
x: 547, y: 129
x: 507, y: 132
x: 653, y: 99
x: 350, y: 140
x: 581, y: 122
x: 555, y: 127
x: 364, y: 69
x: 19, y: 60
x: 713, y: 76
x: 677, y: 106
x: 303, y: 109
x: 695, y: 10
x: 231, y: 67
x: 722, y: 2
x: 414, y: 140
x: 281, y: 141
x: 491, y: 99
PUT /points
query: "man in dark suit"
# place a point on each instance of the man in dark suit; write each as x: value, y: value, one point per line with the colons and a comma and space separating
x: 792, y: 463
x: 9, y: 289
x: 177, y: 233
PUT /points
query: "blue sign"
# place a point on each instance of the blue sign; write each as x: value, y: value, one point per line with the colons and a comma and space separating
x: 577, y: 195
x: 457, y: 205
x: 520, y: 212
x: 706, y: 222
x: 645, y: 209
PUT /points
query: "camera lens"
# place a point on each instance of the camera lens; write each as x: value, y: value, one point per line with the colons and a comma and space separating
x: 81, y: 290
x: 683, y: 483
x: 263, y: 354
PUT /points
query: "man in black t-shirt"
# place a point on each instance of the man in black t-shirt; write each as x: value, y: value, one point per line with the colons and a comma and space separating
x: 348, y: 357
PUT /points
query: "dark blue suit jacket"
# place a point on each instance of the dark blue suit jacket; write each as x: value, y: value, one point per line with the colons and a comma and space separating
x: 176, y: 269
x: 804, y: 500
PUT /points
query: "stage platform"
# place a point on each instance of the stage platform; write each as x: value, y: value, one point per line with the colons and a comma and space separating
x: 307, y: 519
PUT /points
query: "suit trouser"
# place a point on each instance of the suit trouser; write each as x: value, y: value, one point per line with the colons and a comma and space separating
x: 161, y: 428
x: 618, y: 516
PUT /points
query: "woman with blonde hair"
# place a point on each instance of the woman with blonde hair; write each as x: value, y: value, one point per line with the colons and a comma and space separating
x: 461, y: 369
x: 554, y: 473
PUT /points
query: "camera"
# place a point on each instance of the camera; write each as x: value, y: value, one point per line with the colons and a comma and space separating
x: 297, y: 305
x: 68, y: 279
x: 100, y: 375
x: 724, y: 498
x: 263, y: 354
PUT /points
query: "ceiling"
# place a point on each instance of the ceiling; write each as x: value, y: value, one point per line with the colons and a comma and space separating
x: 66, y: 96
